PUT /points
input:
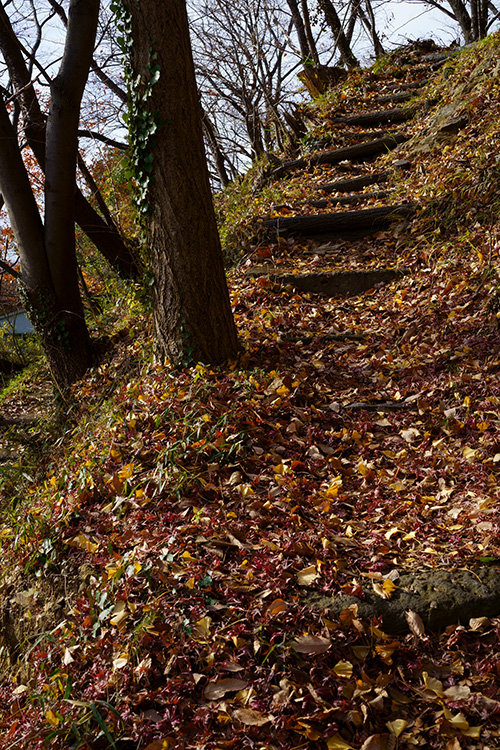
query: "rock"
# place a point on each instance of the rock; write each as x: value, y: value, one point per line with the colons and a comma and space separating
x: 440, y: 597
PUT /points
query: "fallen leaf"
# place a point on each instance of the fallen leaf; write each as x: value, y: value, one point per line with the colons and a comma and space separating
x: 415, y: 623
x: 336, y: 742
x: 250, y: 717
x: 410, y: 435
x: 380, y: 742
x: 119, y: 614
x: 476, y: 623
x: 120, y: 661
x: 397, y: 726
x: 276, y: 607
x: 343, y: 669
x: 306, y: 576
x: 218, y: 688
x: 82, y: 542
x: 311, y: 644
x: 202, y: 627
x: 162, y: 744
x: 52, y: 718
x: 457, y: 693
x: 436, y: 686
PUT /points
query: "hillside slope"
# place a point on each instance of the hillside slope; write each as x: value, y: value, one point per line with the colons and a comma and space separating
x: 301, y: 549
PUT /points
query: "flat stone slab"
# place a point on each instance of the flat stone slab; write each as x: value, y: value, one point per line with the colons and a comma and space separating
x: 336, y: 284
x: 440, y: 597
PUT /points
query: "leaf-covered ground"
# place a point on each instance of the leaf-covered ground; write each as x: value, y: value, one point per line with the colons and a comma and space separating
x: 159, y: 559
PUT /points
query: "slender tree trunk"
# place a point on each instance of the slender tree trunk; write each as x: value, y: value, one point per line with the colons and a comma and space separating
x: 213, y: 144
x: 192, y: 314
x: 308, y: 30
x: 353, y: 17
x: 105, y: 237
x: 335, y: 24
x: 298, y: 23
x: 48, y: 278
x: 370, y: 25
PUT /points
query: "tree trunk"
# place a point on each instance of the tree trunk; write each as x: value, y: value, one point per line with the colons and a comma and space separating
x: 298, y: 23
x: 192, y: 314
x: 308, y: 30
x: 106, y: 238
x: 335, y: 24
x: 213, y: 144
x: 463, y: 17
x: 48, y: 277
x: 370, y: 25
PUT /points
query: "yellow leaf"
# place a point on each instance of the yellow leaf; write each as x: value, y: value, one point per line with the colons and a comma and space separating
x: 397, y: 486
x: 336, y: 742
x: 82, y: 542
x: 245, y: 490
x: 389, y: 587
x: 397, y: 726
x: 190, y: 584
x: 391, y: 532
x: 459, y: 721
x: 202, y: 627
x: 432, y: 684
x: 307, y: 576
x: 126, y: 472
x: 343, y: 669
x: 469, y: 453
x: 188, y: 556
x: 52, y: 718
x: 474, y: 732
x: 333, y: 487
x: 283, y: 391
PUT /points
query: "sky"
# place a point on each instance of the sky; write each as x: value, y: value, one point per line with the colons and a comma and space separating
x: 402, y: 20
x: 399, y: 22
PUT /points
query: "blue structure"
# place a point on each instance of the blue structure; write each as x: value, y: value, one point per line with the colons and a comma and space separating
x: 16, y: 323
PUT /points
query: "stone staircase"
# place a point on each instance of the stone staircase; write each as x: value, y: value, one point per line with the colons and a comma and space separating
x: 343, y: 182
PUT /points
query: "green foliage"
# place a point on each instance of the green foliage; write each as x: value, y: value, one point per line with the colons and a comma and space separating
x: 141, y: 122
x: 238, y: 205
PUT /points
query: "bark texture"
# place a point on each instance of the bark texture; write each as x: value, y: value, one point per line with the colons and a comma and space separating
x: 192, y: 314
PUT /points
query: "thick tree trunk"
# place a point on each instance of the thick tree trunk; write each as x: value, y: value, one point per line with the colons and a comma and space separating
x: 192, y: 314
x: 463, y: 17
